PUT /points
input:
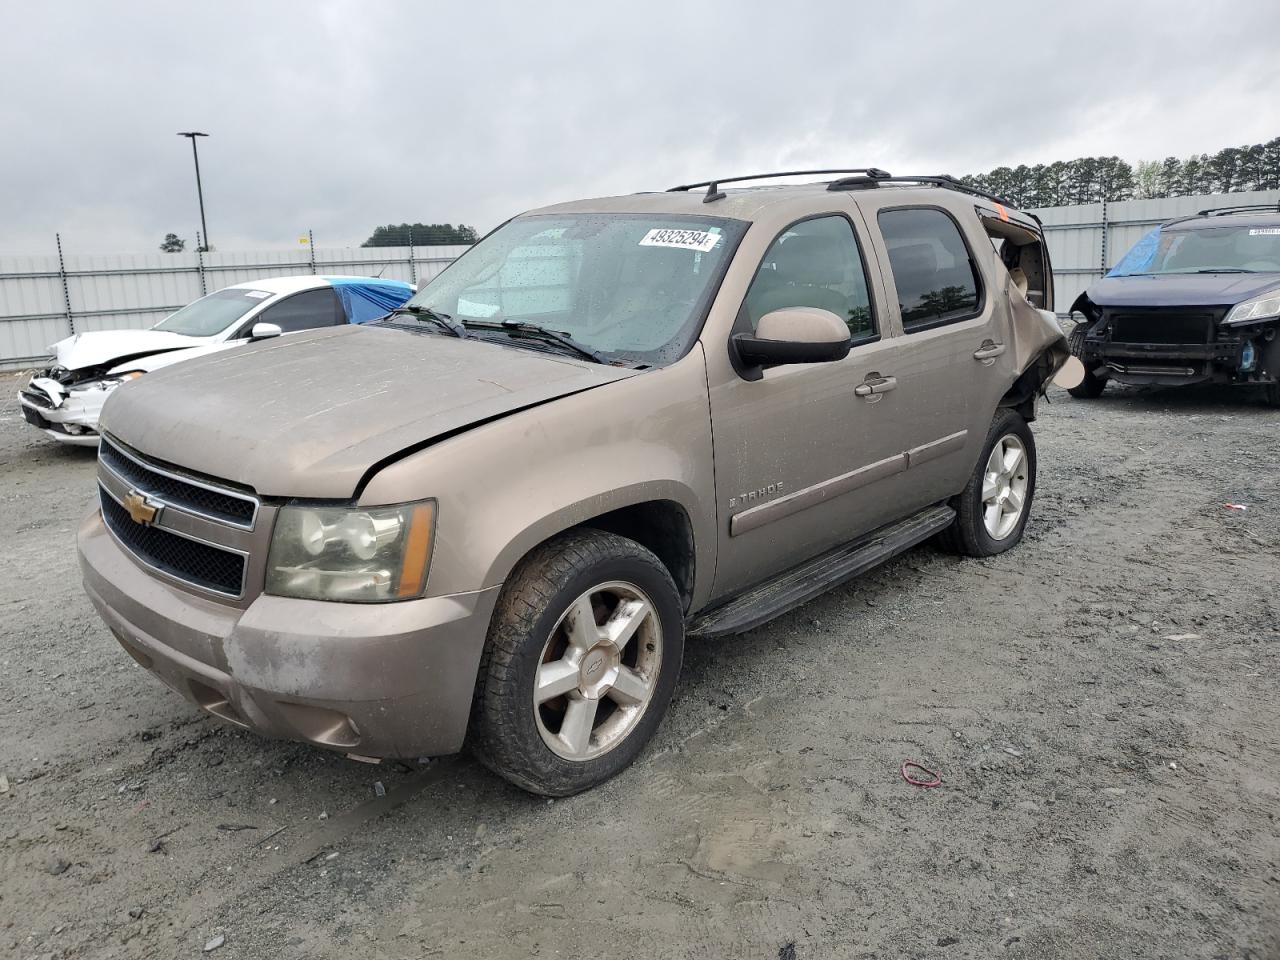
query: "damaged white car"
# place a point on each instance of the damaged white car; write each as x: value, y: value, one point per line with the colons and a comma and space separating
x: 64, y: 400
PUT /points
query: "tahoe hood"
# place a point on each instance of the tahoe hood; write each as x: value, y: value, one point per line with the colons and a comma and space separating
x: 309, y: 414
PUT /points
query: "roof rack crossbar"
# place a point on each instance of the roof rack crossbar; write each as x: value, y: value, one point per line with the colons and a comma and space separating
x: 714, y: 184
x: 1241, y: 208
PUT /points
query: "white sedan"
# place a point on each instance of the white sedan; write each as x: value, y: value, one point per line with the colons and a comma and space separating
x: 65, y: 399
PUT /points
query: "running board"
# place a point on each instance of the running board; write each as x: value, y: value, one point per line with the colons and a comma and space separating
x: 814, y: 577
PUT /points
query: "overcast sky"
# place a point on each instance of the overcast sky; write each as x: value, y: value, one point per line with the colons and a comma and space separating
x: 339, y: 116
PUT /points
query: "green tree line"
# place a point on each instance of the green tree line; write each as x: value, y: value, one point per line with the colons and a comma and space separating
x: 420, y: 234
x: 1092, y: 179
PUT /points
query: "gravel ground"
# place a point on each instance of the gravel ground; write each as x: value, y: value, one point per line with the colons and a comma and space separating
x: 1101, y: 704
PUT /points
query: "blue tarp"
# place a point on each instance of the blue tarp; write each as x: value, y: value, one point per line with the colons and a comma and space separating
x: 1138, y: 259
x: 366, y: 299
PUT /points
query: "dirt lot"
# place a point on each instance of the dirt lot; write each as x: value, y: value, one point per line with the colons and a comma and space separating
x: 1101, y: 703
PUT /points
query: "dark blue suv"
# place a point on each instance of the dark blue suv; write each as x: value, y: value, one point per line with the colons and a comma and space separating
x: 1197, y: 300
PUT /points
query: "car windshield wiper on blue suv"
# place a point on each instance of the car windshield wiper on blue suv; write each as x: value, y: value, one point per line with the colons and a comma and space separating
x: 1225, y: 270
x: 441, y: 319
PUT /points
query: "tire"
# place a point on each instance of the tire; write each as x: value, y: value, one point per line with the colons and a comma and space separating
x: 1090, y: 388
x: 1271, y: 395
x: 971, y: 534
x: 560, y: 707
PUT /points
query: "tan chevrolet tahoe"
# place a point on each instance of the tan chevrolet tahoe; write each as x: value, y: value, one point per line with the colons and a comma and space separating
x: 493, y: 517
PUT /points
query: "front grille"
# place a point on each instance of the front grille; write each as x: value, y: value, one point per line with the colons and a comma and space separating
x: 1164, y: 325
x: 188, y: 560
x: 190, y: 495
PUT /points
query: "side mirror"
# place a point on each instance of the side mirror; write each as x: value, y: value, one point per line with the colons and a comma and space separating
x: 265, y: 331
x: 793, y: 335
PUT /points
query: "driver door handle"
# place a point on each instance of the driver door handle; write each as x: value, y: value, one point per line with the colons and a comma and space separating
x: 989, y: 350
x: 875, y: 385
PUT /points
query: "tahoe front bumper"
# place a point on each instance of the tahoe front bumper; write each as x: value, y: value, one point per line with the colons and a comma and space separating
x: 374, y: 680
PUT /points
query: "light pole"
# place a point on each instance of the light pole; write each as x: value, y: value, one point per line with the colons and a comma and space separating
x: 195, y: 155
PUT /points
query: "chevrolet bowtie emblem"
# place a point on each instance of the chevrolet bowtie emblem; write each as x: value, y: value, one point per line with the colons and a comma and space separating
x: 141, y: 510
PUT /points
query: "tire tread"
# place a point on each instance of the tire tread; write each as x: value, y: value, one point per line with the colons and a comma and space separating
x: 494, y: 736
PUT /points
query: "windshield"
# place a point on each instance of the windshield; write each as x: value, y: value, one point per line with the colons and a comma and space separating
x: 631, y: 287
x: 1225, y: 249
x: 211, y: 315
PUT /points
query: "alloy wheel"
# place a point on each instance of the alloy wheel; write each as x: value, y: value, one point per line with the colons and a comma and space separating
x: 1004, y: 487
x: 598, y: 671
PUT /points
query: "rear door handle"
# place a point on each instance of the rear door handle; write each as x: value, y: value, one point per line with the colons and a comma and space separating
x: 989, y: 350
x: 873, y: 386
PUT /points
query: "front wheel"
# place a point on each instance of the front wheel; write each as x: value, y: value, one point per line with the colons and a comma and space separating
x: 992, y: 510
x: 582, y: 657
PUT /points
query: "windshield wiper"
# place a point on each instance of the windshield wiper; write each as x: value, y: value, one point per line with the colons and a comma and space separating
x: 441, y: 319
x: 1227, y: 270
x: 542, y: 333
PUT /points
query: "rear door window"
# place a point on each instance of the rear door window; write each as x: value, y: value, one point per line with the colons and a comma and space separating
x: 305, y: 311
x: 815, y: 263
x: 933, y: 270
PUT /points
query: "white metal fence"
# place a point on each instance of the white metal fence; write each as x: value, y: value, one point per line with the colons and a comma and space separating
x: 45, y: 298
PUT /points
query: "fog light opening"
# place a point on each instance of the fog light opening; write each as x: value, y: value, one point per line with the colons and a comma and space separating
x: 215, y: 702
x: 329, y: 728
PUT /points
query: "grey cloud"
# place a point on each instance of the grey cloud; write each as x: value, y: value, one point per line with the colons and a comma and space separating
x: 340, y: 116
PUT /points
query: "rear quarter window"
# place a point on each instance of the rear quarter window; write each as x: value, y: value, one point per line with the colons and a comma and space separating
x: 932, y: 267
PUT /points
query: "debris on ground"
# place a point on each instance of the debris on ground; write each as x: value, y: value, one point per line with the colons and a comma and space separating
x: 1235, y: 506
x: 4, y: 783
x: 214, y: 943
x: 236, y: 827
x: 379, y: 789
x: 935, y: 780
x: 55, y: 866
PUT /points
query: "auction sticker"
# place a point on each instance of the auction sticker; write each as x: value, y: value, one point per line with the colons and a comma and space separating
x: 1265, y: 232
x: 700, y: 240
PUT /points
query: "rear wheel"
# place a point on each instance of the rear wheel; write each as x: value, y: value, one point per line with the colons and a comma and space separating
x: 1090, y: 388
x: 992, y: 510
x: 1271, y: 394
x: 581, y: 661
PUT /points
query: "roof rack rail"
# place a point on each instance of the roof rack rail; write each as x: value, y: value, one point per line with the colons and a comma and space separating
x: 1242, y: 208
x: 713, y: 186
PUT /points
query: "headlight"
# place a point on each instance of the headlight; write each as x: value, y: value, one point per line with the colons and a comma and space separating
x: 1265, y: 307
x: 110, y: 383
x: 344, y: 553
